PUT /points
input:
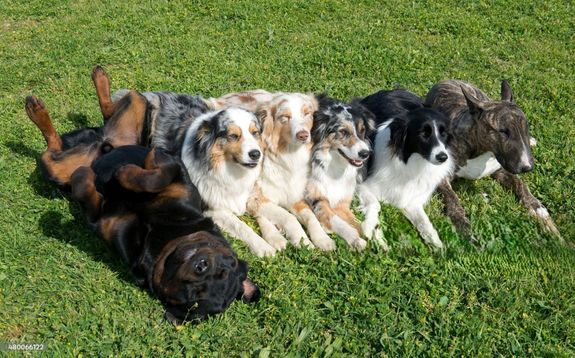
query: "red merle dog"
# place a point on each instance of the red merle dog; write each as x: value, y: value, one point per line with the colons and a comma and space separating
x: 143, y: 204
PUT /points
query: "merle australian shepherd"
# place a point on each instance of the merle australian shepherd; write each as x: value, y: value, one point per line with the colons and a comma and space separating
x: 411, y: 157
x: 221, y: 148
x: 341, y: 148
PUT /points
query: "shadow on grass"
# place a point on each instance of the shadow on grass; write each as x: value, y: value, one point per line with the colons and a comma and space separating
x: 78, y: 233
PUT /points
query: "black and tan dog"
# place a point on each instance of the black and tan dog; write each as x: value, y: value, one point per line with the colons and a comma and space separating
x: 488, y: 138
x: 143, y: 204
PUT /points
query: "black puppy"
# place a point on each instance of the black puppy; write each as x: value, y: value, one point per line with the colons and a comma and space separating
x: 142, y: 203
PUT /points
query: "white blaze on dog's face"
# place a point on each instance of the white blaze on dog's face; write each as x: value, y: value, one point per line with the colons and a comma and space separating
x: 343, y: 127
x: 288, y: 120
x: 230, y: 135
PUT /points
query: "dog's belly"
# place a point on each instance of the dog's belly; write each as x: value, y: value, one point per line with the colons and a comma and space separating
x: 479, y: 167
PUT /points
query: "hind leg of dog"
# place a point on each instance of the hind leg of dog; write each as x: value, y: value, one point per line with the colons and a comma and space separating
x: 84, y: 191
x: 533, y: 205
x: 102, y: 84
x: 240, y: 230
x: 57, y: 165
x: 421, y: 221
x: 38, y: 113
x: 271, y: 234
x: 126, y: 124
x: 455, y: 211
x: 316, y: 233
x: 159, y: 171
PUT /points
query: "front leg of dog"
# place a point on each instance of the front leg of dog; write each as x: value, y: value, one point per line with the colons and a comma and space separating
x: 316, y: 233
x: 420, y: 220
x: 288, y: 222
x: 370, y: 207
x: 240, y: 230
x: 332, y: 221
x: 533, y: 205
x: 271, y: 234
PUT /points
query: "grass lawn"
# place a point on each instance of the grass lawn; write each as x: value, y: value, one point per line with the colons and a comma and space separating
x: 60, y: 286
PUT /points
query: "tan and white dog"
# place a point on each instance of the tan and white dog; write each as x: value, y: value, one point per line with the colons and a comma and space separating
x: 278, y: 199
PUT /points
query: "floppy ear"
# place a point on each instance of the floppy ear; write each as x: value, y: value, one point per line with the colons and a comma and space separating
x: 398, y: 136
x: 264, y: 116
x: 475, y: 106
x: 319, y: 127
x: 506, y: 93
x: 368, y: 117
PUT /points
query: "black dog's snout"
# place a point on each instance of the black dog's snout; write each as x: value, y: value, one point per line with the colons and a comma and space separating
x: 441, y: 157
x: 255, y: 154
x: 364, y: 153
x: 526, y: 168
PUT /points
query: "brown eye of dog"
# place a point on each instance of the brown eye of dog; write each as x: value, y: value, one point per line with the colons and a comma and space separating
x: 233, y: 137
x: 426, y: 132
x: 256, y: 134
x: 284, y: 119
x: 344, y: 132
x: 201, y: 266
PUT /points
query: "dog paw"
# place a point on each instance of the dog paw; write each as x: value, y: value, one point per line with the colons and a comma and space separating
x: 99, y: 73
x: 277, y: 241
x: 35, y: 108
x: 358, y: 244
x: 542, y: 215
x: 379, y: 240
x: 263, y: 250
x: 368, y: 230
x: 325, y: 243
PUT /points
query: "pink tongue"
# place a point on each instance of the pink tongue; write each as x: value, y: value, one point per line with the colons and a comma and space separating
x: 357, y: 163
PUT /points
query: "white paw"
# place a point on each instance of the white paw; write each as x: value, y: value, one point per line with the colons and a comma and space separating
x: 358, y: 244
x: 263, y: 249
x: 277, y: 241
x: 323, y: 242
x: 298, y: 237
x: 378, y: 238
x: 367, y: 229
x: 432, y: 238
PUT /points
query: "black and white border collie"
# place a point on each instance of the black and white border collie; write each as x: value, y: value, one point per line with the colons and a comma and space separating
x: 341, y: 148
x: 411, y: 158
x: 221, y: 150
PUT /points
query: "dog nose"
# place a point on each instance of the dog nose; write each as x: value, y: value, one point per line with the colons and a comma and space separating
x: 302, y: 135
x: 526, y: 168
x: 364, y: 153
x: 441, y: 157
x: 255, y: 154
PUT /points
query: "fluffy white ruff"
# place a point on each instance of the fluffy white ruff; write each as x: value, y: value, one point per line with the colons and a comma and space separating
x: 407, y: 186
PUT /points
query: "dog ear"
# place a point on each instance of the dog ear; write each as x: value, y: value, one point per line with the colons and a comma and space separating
x: 264, y: 116
x: 398, y: 136
x: 506, y: 92
x: 475, y: 106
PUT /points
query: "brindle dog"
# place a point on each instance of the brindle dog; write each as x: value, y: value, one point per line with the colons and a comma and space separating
x: 488, y: 138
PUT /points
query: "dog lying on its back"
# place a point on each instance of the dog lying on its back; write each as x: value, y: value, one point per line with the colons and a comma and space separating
x: 142, y: 204
x: 411, y: 158
x: 488, y: 138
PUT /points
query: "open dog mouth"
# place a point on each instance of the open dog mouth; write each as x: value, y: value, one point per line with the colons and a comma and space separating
x: 354, y: 162
x: 250, y: 164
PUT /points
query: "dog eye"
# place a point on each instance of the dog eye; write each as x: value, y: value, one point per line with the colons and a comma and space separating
x: 233, y: 137
x: 284, y: 119
x: 256, y: 134
x: 344, y: 133
x: 505, y: 133
x: 426, y: 133
x: 201, y: 266
x: 442, y: 131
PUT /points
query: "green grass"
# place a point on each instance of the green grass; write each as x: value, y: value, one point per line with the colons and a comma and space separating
x: 59, y: 285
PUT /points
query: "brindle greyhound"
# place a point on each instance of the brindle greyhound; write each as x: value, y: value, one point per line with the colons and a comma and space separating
x: 488, y: 138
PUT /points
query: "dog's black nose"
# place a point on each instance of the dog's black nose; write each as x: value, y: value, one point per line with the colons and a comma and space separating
x: 364, y: 153
x: 255, y: 154
x: 441, y: 157
x: 526, y: 168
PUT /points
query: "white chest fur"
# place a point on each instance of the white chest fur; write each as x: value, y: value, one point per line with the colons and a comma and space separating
x: 284, y: 175
x: 403, y: 184
x: 335, y: 178
x: 479, y: 167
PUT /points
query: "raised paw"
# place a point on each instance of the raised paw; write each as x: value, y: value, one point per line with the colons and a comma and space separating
x: 36, y: 109
x: 99, y: 76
